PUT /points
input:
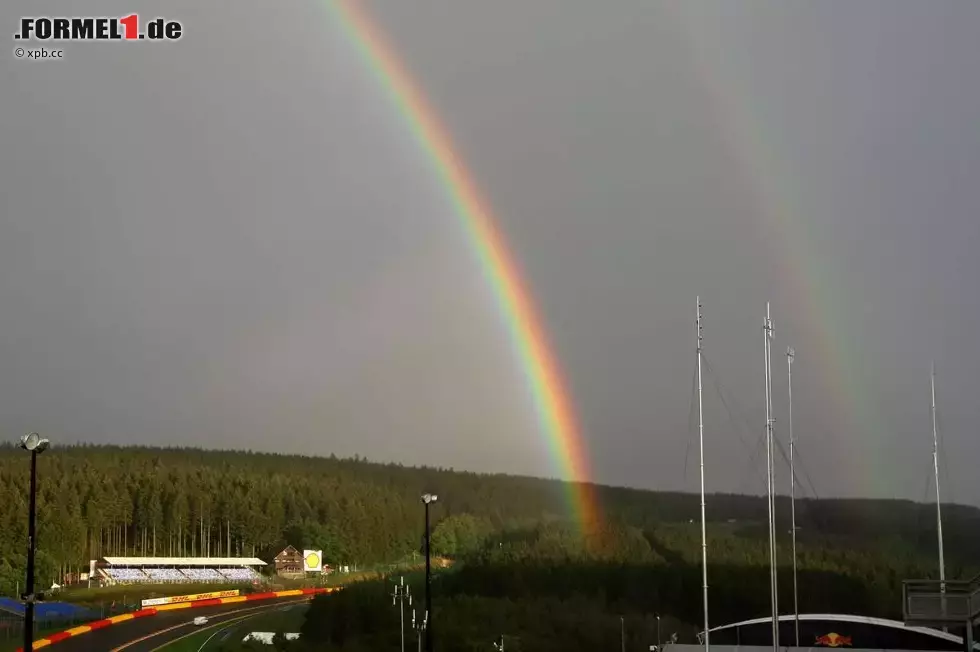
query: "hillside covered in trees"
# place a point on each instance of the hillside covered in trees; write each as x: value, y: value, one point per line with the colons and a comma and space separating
x: 542, y: 589
x: 100, y: 500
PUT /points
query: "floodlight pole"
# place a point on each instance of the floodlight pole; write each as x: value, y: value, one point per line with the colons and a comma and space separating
x: 790, y: 356
x: 939, y: 516
x: 770, y: 479
x: 428, y: 579
x: 33, y: 444
x: 704, y: 535
x: 428, y: 499
x: 29, y: 587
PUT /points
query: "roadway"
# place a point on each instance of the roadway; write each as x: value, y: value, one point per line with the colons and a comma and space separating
x: 153, y: 632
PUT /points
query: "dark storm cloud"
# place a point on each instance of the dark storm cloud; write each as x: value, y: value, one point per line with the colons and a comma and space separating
x: 234, y: 240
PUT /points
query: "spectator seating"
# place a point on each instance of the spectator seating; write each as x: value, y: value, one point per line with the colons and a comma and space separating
x: 126, y: 575
x: 165, y: 575
x: 240, y: 574
x: 202, y: 574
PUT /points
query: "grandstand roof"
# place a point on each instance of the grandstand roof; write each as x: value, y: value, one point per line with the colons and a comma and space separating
x: 184, y: 561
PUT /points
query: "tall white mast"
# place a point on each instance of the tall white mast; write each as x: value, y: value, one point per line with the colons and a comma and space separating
x: 704, y: 537
x: 790, y: 355
x: 770, y: 477
x: 935, y: 468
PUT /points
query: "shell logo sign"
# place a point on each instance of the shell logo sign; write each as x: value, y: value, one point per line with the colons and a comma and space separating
x: 312, y: 561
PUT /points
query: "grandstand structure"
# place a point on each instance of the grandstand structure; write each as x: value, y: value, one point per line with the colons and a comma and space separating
x: 178, y: 570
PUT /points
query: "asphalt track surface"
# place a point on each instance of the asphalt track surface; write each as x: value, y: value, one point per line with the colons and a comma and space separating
x: 146, y: 634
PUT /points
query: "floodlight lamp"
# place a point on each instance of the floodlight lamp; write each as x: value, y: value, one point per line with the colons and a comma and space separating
x: 429, y: 498
x: 32, y: 442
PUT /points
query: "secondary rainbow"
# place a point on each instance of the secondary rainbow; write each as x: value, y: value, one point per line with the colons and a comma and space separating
x: 552, y: 400
x: 785, y: 213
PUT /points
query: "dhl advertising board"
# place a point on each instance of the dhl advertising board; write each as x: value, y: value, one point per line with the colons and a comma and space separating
x: 173, y: 599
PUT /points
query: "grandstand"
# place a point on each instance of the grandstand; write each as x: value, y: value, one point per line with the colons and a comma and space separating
x: 178, y: 570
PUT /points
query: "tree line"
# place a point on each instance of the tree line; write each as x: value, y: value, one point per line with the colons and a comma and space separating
x: 542, y: 588
x: 95, y: 501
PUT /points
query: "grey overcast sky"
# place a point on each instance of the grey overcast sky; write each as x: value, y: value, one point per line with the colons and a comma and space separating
x: 234, y: 240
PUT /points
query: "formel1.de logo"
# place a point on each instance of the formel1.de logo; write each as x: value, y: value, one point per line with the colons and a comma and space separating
x: 97, y: 28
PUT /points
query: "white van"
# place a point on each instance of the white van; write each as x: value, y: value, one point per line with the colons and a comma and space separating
x: 201, y: 620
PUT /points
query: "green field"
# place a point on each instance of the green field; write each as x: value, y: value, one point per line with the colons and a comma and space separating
x: 287, y: 619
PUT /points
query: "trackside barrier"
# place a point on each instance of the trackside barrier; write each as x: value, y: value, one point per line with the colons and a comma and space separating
x: 152, y: 611
x: 171, y: 599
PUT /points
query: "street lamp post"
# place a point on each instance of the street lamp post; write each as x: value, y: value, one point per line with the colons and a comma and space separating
x: 428, y: 499
x: 34, y: 444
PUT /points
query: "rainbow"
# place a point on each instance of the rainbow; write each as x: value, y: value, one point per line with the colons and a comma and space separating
x: 551, y: 397
x: 783, y: 210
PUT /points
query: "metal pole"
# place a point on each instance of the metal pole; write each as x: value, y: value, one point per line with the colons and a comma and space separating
x: 418, y: 631
x: 29, y: 588
x: 622, y: 633
x: 769, y: 481
x: 704, y: 536
x: 939, y: 516
x: 400, y: 593
x: 790, y: 355
x: 428, y: 582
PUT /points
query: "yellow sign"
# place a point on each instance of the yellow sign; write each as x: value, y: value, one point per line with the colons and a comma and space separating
x: 312, y: 561
x: 173, y: 599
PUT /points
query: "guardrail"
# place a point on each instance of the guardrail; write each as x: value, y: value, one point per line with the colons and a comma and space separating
x: 932, y: 602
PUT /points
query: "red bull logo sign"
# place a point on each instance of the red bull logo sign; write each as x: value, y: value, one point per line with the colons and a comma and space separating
x: 833, y: 639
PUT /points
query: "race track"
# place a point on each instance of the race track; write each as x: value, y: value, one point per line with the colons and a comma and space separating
x: 146, y: 634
